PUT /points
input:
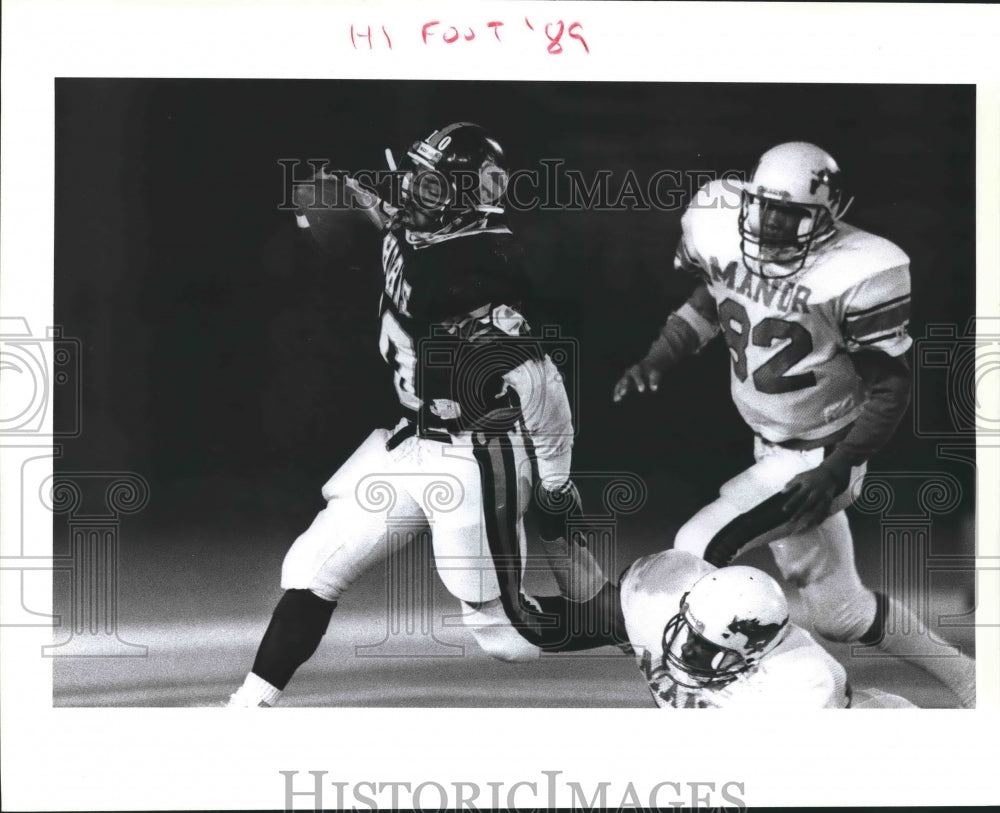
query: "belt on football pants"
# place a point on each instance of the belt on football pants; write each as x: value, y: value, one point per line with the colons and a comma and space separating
x: 425, y: 424
x: 410, y: 429
x: 827, y: 442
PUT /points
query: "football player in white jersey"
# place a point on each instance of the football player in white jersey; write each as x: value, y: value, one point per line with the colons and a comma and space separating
x: 815, y: 313
x: 707, y: 637
x: 484, y: 428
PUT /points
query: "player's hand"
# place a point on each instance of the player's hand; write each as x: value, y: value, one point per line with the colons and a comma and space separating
x: 809, y: 496
x: 637, y: 378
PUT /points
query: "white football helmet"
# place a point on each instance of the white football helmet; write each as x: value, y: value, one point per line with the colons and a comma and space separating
x: 728, y: 621
x: 792, y: 201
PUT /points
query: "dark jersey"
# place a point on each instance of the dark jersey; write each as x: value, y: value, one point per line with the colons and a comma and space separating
x: 452, y: 322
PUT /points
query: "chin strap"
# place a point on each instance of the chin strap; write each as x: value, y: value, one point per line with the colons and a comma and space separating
x: 839, y: 215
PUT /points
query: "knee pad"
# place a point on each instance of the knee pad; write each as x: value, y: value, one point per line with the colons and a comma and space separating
x: 841, y: 617
x: 314, y: 565
x: 692, y: 538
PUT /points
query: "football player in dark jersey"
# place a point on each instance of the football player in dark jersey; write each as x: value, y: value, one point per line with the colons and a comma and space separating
x: 485, y: 430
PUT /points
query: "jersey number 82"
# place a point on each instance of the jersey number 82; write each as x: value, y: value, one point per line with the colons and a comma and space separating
x: 770, y: 377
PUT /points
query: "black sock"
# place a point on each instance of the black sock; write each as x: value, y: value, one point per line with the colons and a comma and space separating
x: 874, y: 634
x: 297, y: 626
x: 583, y: 625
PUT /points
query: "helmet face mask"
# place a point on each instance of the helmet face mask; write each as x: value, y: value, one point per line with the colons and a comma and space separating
x: 792, y: 202
x: 727, y: 621
x: 425, y: 196
x: 695, y: 662
x: 777, y: 233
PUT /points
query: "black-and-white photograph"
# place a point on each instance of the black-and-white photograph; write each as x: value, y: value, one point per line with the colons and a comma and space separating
x: 515, y: 394
x: 447, y: 407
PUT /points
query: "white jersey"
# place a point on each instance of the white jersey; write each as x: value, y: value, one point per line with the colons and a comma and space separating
x: 790, y: 338
x: 798, y: 673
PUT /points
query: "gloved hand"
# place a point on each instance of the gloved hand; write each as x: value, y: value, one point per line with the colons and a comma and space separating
x: 811, y: 493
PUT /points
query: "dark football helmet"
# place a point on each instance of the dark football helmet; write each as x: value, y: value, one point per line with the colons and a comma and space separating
x: 452, y: 178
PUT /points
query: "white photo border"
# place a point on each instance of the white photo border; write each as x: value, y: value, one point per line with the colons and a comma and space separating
x: 80, y: 759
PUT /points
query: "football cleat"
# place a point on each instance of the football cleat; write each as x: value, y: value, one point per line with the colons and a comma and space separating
x: 236, y: 701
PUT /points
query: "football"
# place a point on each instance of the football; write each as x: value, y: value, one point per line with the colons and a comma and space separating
x: 337, y: 211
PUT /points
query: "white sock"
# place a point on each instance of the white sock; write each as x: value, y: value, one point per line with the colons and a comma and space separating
x: 254, y: 693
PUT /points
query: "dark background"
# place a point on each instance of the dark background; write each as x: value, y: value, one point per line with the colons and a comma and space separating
x: 235, y: 370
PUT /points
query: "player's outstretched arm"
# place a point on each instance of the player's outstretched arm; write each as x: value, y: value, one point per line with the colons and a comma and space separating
x: 331, y: 205
x: 684, y: 333
x: 378, y: 212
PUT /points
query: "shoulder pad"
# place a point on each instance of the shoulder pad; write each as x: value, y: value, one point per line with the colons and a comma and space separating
x: 857, y: 258
x: 709, y: 224
x: 713, y: 196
